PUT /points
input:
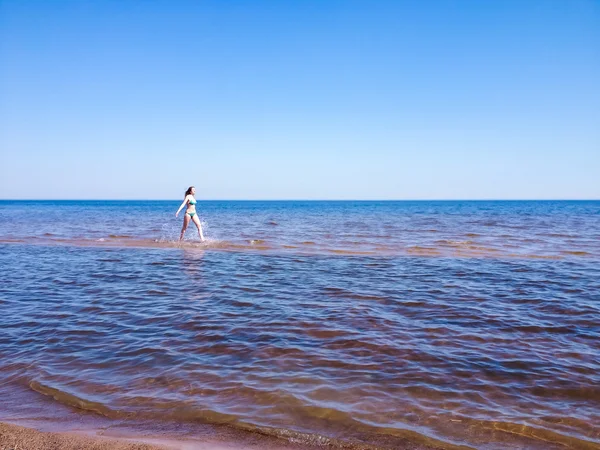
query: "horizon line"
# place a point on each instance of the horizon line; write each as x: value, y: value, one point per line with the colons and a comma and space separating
x: 306, y: 200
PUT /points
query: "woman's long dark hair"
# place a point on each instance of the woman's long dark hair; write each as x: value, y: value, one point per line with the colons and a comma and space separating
x: 189, y: 191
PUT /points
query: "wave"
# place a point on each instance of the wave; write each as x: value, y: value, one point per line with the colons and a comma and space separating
x: 362, y: 437
x: 346, y: 431
x: 74, y: 401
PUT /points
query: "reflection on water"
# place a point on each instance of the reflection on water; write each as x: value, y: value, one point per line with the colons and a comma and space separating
x: 444, y: 324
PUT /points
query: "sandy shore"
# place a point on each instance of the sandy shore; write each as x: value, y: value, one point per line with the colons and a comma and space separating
x: 13, y: 437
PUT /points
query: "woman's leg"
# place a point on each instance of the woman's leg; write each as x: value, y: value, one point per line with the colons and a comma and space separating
x: 186, y: 221
x: 197, y: 222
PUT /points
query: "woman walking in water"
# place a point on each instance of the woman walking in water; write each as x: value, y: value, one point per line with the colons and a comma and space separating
x: 190, y: 212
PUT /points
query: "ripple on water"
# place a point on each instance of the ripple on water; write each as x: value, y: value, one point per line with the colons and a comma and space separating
x: 444, y: 337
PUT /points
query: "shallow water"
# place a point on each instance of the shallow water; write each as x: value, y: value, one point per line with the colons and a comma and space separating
x: 448, y: 323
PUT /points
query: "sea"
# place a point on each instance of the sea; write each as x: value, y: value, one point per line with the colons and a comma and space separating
x: 342, y: 324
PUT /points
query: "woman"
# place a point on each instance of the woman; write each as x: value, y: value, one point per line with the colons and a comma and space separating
x: 190, y: 212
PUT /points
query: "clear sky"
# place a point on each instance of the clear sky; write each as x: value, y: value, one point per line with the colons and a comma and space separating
x: 310, y: 99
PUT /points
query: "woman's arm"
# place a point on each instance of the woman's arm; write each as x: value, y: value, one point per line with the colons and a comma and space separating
x: 185, y: 200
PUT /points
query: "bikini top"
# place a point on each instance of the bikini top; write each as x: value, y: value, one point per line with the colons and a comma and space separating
x: 192, y: 201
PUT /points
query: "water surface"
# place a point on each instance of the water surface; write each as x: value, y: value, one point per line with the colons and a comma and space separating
x: 447, y: 323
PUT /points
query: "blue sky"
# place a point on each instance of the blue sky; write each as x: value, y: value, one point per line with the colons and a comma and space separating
x: 423, y: 99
